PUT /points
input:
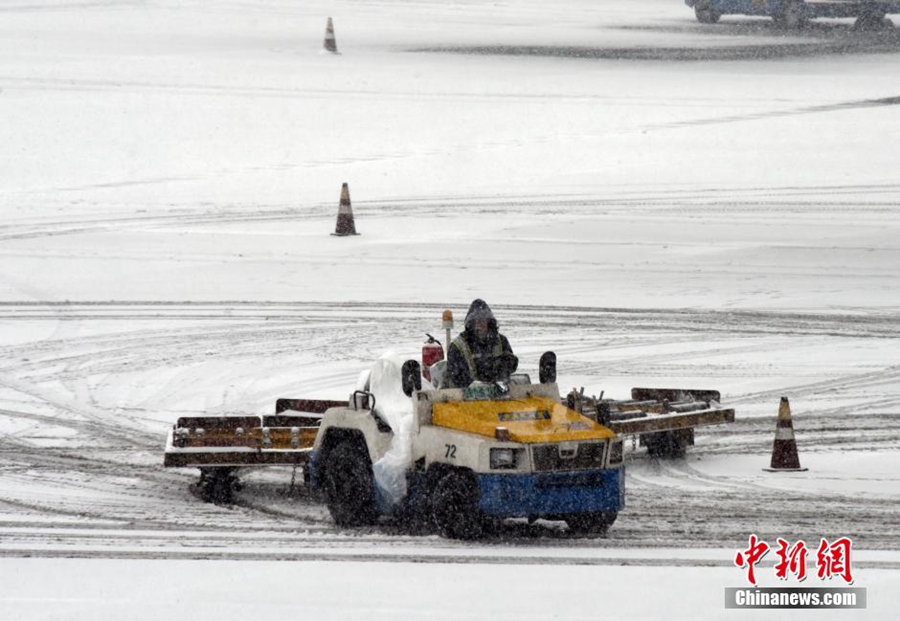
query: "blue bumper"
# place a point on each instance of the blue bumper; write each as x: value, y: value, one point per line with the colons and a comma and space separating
x: 552, y: 493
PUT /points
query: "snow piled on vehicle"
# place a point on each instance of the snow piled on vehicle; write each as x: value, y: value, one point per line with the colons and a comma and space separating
x: 396, y: 409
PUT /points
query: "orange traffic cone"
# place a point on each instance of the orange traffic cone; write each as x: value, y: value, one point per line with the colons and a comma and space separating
x: 345, y: 224
x: 330, y: 43
x: 784, y: 452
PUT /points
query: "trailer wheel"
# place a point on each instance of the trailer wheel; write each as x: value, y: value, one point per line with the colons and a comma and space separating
x: 217, y: 485
x: 704, y: 12
x: 454, y: 506
x: 350, y: 486
x: 595, y: 523
x: 665, y: 444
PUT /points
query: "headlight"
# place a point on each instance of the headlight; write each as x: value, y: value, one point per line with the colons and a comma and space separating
x: 503, y: 458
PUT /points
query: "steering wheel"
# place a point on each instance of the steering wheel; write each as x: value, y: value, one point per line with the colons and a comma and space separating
x: 503, y: 366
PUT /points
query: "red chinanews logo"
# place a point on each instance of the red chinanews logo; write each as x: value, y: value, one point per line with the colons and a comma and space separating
x: 832, y: 559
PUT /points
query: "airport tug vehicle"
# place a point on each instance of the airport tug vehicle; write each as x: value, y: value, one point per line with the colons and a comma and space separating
x: 477, y: 455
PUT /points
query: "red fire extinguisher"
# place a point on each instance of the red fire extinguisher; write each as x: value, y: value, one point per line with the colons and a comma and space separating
x: 432, y: 353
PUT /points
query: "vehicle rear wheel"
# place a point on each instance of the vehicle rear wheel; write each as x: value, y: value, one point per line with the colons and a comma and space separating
x: 594, y: 523
x: 704, y: 12
x: 350, y: 486
x: 454, y: 506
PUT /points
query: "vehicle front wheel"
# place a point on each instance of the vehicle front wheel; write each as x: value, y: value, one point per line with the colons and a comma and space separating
x: 454, y: 506
x: 594, y: 523
x: 350, y: 486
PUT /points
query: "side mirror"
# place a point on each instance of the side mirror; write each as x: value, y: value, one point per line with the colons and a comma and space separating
x: 411, y: 377
x: 547, y: 368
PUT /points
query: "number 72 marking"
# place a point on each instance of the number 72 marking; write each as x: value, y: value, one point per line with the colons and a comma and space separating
x: 450, y: 453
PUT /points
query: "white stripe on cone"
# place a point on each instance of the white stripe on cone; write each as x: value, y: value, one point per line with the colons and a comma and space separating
x: 784, y: 433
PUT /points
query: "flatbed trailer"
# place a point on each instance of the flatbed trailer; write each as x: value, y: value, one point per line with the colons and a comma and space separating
x: 284, y: 438
x: 663, y: 419
x: 220, y: 446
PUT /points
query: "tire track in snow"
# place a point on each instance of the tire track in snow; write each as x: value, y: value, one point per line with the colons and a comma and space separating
x: 660, y: 512
x: 712, y: 203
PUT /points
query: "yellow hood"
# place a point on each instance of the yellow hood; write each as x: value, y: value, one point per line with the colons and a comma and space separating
x: 531, y: 420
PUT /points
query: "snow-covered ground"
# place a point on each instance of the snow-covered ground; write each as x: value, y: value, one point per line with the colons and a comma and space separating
x: 660, y: 202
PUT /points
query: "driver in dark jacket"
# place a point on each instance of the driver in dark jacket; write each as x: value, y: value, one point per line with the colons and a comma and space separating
x: 476, y: 353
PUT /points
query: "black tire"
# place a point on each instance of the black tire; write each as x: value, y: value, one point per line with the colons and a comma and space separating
x: 665, y: 445
x: 350, y: 486
x: 595, y: 523
x: 217, y: 485
x: 704, y: 12
x: 454, y: 506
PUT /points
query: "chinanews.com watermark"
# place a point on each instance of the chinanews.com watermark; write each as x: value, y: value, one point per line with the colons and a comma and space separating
x: 794, y: 597
x: 833, y: 563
